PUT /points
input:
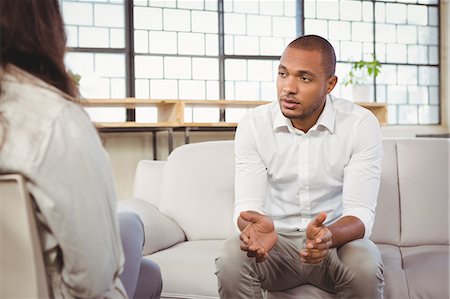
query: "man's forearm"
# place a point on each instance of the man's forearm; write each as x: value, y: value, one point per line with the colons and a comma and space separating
x: 346, y: 229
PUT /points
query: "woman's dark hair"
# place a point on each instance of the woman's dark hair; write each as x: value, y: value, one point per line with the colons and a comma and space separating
x: 33, y: 39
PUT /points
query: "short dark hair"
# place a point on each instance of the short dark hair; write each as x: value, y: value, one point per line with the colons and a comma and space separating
x: 317, y: 43
x: 33, y: 38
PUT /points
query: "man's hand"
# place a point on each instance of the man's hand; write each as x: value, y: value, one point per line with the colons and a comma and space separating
x: 318, y: 241
x: 259, y: 236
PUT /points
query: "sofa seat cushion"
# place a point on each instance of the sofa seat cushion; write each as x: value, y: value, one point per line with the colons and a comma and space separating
x: 427, y: 270
x: 188, y: 269
x: 394, y: 275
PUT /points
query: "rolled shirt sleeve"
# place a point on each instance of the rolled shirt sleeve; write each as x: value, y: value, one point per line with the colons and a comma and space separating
x: 362, y: 173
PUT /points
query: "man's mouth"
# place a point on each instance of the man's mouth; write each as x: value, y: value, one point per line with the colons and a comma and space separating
x: 289, y: 103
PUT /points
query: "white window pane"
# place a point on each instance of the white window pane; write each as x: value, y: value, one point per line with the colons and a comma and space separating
x: 273, y: 8
x: 351, y: 10
x: 428, y: 75
x: 367, y: 11
x: 234, y: 23
x: 381, y: 52
x: 260, y: 70
x: 351, y: 50
x: 417, y: 14
x: 428, y: 35
x: 386, y: 33
x: 418, y: 94
x: 433, y: 16
x: 258, y: 25
x: 407, y: 115
x: 268, y: 91
x: 142, y: 89
x: 246, y: 45
x: 388, y: 75
x: 396, y: 53
x: 234, y: 115
x: 290, y: 8
x: 77, y: 13
x: 235, y: 69
x: 247, y: 91
x: 212, y: 44
x: 191, y: 90
x: 205, y: 115
x: 106, y: 114
x: 271, y: 45
x: 434, y: 95
x: 177, y: 67
x: 328, y: 9
x: 417, y: 54
x: 163, y: 89
x: 395, y: 13
x: 162, y: 3
x: 141, y: 41
x: 245, y: 6
x: 72, y: 36
x: 392, y: 114
x: 397, y: 94
x: 407, y: 34
x: 407, y: 74
x: 92, y: 37
x: 229, y: 90
x: 189, y: 4
x: 204, y: 21
x: 309, y: 9
x: 212, y: 90
x: 147, y: 18
x: 283, y: 26
x: 205, y: 68
x: 109, y: 15
x: 188, y: 114
x: 118, y: 88
x: 81, y: 63
x: 117, y: 38
x: 110, y: 65
x: 229, y: 44
x: 381, y: 93
x: 146, y: 114
x: 319, y: 27
x: 177, y: 20
x: 433, y: 55
x: 191, y: 43
x: 339, y: 30
x: 163, y: 42
x: 148, y: 67
x: 362, y: 31
x: 211, y: 5
x: 428, y: 114
x: 94, y: 87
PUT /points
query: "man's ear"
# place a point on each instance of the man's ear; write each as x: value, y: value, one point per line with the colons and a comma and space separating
x: 331, y: 83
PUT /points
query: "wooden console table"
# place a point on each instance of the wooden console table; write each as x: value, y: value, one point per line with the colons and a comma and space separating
x: 170, y: 116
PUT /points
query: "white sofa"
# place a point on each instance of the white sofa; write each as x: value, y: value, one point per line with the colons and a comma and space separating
x: 186, y: 204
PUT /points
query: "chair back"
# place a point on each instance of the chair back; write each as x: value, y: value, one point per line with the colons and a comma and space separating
x: 22, y: 271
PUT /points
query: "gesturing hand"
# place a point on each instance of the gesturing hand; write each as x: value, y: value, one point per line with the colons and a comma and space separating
x: 318, y: 241
x: 259, y: 236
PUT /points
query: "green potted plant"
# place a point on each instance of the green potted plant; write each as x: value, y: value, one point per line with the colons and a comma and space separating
x: 358, y: 78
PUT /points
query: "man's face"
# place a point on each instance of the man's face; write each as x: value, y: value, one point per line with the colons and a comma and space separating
x: 302, y: 86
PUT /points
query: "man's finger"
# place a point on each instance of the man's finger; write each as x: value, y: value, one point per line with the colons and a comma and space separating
x: 319, y: 219
x: 250, y: 217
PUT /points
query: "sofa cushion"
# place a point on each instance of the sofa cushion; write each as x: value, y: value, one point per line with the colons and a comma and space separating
x: 197, y: 189
x: 423, y: 166
x: 387, y: 219
x: 188, y: 269
x: 147, y: 180
x: 160, y: 231
x: 427, y: 270
x: 394, y: 275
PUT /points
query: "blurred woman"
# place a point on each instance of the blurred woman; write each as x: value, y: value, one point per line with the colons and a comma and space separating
x: 48, y: 138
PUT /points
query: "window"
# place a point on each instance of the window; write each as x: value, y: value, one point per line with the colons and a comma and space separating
x: 229, y: 49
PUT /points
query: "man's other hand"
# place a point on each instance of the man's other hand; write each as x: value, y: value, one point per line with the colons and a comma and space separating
x: 259, y: 236
x: 318, y: 241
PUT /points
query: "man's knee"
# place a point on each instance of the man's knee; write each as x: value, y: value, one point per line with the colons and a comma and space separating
x: 363, y: 260
x: 231, y: 259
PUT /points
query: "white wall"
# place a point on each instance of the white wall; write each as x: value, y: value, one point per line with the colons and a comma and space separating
x: 127, y: 149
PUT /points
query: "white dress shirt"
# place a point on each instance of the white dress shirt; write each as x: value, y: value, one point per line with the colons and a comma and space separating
x: 52, y: 142
x: 291, y: 176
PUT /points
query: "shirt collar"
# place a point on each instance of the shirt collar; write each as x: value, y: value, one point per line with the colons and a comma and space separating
x: 326, y: 118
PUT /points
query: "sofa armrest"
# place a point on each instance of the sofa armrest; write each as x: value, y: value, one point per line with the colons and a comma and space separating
x: 161, y: 232
x: 147, y: 180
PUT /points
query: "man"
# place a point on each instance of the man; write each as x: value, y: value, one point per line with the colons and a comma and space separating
x: 307, y: 180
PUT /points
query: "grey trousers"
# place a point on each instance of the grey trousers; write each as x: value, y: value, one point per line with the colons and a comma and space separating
x: 354, y: 270
x: 140, y: 277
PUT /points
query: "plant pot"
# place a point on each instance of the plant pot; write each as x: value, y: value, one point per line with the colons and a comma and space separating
x: 362, y: 93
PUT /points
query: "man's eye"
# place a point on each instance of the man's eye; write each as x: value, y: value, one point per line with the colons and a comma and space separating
x: 281, y: 74
x: 306, y: 79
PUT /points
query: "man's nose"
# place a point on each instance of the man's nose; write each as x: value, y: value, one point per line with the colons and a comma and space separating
x: 290, y: 85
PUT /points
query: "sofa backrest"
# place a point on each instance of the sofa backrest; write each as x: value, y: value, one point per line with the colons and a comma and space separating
x: 197, y: 189
x: 423, y: 168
